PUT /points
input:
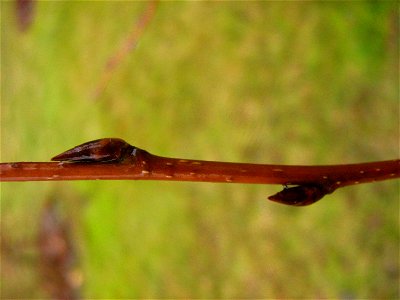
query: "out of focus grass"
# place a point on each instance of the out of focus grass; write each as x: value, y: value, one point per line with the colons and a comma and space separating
x: 266, y: 82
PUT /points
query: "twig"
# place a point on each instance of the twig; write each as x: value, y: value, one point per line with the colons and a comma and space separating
x: 114, y: 159
x: 25, y: 12
x: 57, y: 255
x: 128, y: 45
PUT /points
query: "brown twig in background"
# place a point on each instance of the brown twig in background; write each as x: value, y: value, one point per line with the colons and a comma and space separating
x: 25, y: 11
x: 114, y: 159
x: 128, y: 45
x: 57, y: 255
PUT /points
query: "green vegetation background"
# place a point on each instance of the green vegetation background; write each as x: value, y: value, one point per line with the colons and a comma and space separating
x: 262, y: 82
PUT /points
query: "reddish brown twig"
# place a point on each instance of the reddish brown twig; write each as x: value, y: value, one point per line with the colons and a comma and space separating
x: 109, y: 159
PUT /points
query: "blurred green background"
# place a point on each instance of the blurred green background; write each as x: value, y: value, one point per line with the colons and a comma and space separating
x: 262, y: 82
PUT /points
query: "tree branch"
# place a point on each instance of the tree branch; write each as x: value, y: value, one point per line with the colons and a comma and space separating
x: 114, y: 159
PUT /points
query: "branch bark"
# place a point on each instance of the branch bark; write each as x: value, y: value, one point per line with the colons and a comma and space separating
x: 114, y: 159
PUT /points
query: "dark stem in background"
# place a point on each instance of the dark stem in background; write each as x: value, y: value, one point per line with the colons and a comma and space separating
x: 114, y: 159
x: 57, y: 255
x: 25, y: 12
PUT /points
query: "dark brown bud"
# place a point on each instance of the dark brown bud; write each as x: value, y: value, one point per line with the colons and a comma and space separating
x: 301, y: 195
x: 102, y: 150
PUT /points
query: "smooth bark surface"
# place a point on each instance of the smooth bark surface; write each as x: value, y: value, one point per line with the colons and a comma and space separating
x: 114, y: 159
